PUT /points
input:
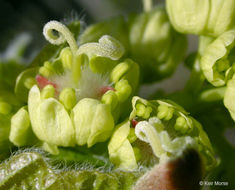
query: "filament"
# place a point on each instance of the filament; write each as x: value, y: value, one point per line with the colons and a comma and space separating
x: 63, y: 35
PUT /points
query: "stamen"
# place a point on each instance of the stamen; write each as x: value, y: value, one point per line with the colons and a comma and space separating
x: 106, y: 47
x: 64, y: 35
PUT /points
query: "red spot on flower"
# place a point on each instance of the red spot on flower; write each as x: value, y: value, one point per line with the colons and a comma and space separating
x: 42, y: 82
x: 134, y: 123
x: 104, y: 89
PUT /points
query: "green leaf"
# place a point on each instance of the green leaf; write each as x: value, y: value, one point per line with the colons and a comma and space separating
x: 30, y: 170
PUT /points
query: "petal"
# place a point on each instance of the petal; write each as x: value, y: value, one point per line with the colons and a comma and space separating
x: 119, y: 136
x: 202, y: 17
x: 50, y: 121
x: 216, y: 55
x: 93, y: 121
x: 121, y: 152
x: 21, y: 133
x: 188, y: 16
x: 55, y: 124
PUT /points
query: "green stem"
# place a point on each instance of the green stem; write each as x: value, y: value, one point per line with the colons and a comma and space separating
x: 196, y: 80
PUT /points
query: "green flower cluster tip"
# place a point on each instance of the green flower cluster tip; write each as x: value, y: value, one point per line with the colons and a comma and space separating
x: 75, y: 98
x: 158, y: 130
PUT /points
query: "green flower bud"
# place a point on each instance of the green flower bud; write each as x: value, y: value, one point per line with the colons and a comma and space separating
x: 47, y: 69
x: 181, y: 125
x: 110, y: 98
x: 93, y: 121
x: 121, y: 152
x: 50, y: 121
x: 120, y: 70
x: 5, y: 108
x: 66, y: 57
x: 169, y: 130
x: 68, y: 98
x: 128, y: 70
x: 202, y: 17
x: 48, y: 92
x: 143, y: 111
x: 165, y: 112
x: 29, y: 82
x: 21, y: 133
x: 158, y: 55
x: 218, y: 59
x: 123, y: 90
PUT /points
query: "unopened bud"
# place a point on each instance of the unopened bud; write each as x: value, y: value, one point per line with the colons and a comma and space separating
x: 68, y: 98
x: 123, y: 90
x: 48, y: 92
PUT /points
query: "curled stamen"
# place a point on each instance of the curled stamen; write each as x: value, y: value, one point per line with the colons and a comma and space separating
x: 106, y: 47
x: 147, y: 133
x: 64, y: 35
